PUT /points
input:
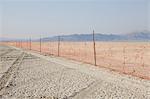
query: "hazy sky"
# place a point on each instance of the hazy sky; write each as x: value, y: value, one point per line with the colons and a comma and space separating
x: 25, y: 18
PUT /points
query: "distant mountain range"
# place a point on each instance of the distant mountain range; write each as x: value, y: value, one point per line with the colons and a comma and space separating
x: 137, y: 36
x: 9, y: 39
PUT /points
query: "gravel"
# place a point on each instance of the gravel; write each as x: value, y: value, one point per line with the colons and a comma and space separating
x: 44, y: 77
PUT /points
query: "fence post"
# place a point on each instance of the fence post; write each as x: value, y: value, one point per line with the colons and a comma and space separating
x: 40, y: 45
x: 15, y: 44
x: 21, y: 44
x: 58, y: 46
x: 124, y: 58
x: 30, y: 43
x: 94, y: 48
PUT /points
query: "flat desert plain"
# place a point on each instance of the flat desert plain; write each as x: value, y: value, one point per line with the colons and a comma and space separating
x: 26, y: 74
x: 131, y: 58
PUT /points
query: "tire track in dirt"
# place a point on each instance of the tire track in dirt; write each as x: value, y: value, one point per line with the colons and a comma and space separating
x: 5, y: 79
x: 63, y: 88
x: 37, y: 78
x: 6, y: 52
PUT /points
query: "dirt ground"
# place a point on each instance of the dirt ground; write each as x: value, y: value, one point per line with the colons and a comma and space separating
x: 126, y: 57
x: 34, y: 76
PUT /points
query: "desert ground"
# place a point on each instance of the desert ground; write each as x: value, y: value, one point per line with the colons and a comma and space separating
x: 27, y: 74
x: 130, y: 58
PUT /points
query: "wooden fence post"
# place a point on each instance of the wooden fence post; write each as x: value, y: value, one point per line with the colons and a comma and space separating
x: 94, y: 48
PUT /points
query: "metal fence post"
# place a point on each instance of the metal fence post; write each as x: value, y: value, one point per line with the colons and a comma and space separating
x: 30, y: 44
x: 15, y: 43
x: 94, y: 48
x: 40, y: 45
x: 124, y: 58
x: 58, y: 45
x: 21, y: 44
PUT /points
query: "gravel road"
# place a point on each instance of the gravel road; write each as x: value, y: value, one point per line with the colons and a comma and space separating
x: 30, y: 75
